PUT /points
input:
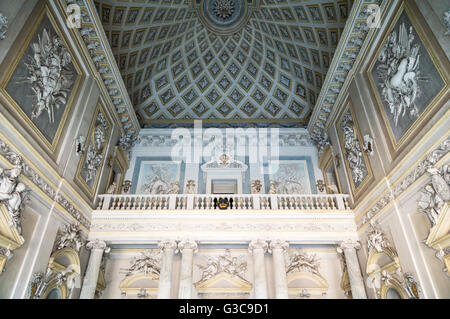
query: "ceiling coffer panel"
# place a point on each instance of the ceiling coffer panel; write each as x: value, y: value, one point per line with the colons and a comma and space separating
x: 267, y: 70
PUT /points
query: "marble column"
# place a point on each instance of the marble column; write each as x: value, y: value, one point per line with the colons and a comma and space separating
x: 187, y: 249
x: 349, y: 247
x: 168, y: 248
x: 257, y: 248
x: 278, y: 249
x: 97, y: 247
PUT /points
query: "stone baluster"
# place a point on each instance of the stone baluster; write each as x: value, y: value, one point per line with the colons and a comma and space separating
x: 278, y: 249
x: 349, y: 248
x: 97, y: 248
x: 187, y: 249
x: 257, y: 248
x: 168, y: 248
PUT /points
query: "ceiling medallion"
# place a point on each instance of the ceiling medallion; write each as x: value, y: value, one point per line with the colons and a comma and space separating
x: 224, y: 8
x: 225, y: 17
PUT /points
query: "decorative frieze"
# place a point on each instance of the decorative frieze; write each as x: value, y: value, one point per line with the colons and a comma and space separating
x: 222, y: 227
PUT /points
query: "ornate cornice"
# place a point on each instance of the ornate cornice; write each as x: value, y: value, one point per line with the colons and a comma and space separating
x: 100, y: 52
x: 351, y: 44
x: 11, y: 156
x: 432, y: 158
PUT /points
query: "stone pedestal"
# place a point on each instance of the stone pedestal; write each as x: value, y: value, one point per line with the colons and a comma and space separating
x: 187, y: 249
x: 349, y: 248
x: 257, y: 248
x: 165, y: 277
x: 97, y: 248
x: 278, y: 249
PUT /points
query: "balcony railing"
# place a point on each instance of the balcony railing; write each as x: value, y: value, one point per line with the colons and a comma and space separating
x: 196, y: 202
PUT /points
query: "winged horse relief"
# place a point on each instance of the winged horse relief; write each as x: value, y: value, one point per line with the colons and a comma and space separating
x: 399, y: 73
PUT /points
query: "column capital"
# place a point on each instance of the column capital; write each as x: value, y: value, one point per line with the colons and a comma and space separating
x: 167, y: 244
x: 278, y: 244
x: 187, y: 244
x: 98, y: 244
x: 258, y: 244
x: 349, y: 244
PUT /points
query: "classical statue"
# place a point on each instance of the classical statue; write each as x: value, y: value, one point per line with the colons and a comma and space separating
x: 175, y: 188
x: 256, y: 186
x: 190, y: 187
x: 12, y: 192
x: 112, y: 188
x: 272, y: 188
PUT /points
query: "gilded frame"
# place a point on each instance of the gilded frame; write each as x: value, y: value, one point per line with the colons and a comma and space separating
x: 440, y: 62
x: 78, y: 179
x: 17, y: 112
x: 355, y: 190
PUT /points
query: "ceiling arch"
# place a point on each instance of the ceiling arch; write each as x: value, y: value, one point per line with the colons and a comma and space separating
x: 267, y: 74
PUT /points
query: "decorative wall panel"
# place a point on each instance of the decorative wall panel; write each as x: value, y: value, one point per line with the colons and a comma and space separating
x: 41, y: 81
x: 406, y: 76
x: 93, y: 158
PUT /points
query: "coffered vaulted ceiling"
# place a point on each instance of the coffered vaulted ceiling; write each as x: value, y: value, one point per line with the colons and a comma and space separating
x: 268, y: 74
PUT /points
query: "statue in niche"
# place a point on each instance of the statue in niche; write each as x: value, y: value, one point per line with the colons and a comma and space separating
x: 12, y: 192
x: 256, y: 186
x: 190, y: 187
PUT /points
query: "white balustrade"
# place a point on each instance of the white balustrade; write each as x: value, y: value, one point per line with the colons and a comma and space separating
x: 200, y: 202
